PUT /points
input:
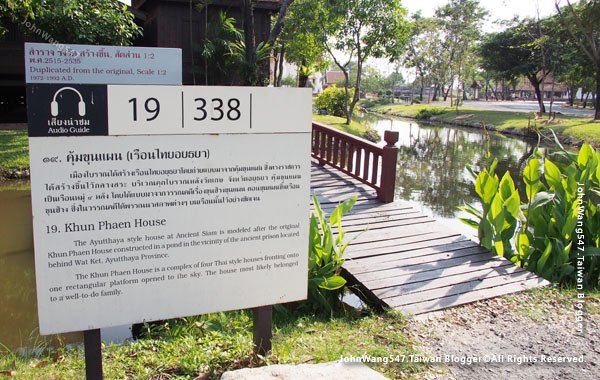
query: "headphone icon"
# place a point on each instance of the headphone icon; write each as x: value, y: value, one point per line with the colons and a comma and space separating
x: 54, y: 104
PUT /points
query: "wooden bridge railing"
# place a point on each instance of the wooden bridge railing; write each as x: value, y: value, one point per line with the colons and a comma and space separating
x: 372, y: 165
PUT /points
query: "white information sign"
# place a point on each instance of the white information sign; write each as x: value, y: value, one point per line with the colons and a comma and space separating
x: 64, y: 63
x: 147, y: 222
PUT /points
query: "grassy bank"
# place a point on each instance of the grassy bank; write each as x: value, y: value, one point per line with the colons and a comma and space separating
x: 212, y: 344
x: 355, y: 128
x: 14, y: 149
x: 571, y: 129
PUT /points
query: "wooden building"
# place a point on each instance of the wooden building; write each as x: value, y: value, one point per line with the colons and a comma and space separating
x: 167, y: 23
x: 549, y: 89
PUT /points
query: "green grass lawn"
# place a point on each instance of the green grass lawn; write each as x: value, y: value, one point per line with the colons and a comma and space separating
x: 14, y: 149
x: 355, y: 128
x: 186, y: 348
x: 572, y: 127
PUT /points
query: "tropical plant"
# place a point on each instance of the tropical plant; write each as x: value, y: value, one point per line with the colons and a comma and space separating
x: 556, y: 233
x: 224, y: 53
x: 326, y: 255
x: 215, y: 49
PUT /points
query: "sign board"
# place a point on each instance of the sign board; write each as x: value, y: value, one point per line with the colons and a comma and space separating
x: 58, y: 63
x: 151, y: 204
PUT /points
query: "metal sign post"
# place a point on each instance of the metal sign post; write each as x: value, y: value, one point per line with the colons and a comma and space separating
x: 263, y: 332
x: 92, y: 344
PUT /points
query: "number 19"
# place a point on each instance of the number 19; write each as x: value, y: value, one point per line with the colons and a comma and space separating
x: 151, y: 105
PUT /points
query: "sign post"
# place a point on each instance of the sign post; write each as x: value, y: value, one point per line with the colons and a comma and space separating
x: 156, y: 202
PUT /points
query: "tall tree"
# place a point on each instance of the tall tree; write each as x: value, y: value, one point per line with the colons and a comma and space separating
x: 252, y: 74
x: 527, y: 49
x: 421, y: 51
x: 361, y: 29
x: 460, y: 22
x: 300, y: 42
x: 582, y: 21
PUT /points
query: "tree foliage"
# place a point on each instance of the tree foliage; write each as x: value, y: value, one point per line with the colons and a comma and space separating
x: 299, y: 42
x: 582, y: 22
x: 528, y: 49
x: 460, y: 22
x: 362, y: 29
x: 106, y: 22
x: 440, y: 48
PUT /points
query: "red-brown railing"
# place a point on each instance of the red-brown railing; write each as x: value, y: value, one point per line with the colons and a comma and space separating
x: 372, y: 165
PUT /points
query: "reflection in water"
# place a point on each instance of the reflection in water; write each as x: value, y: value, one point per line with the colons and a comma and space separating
x: 18, y: 310
x: 432, y: 163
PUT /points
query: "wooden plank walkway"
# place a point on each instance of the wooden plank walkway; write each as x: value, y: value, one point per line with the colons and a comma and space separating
x: 403, y: 259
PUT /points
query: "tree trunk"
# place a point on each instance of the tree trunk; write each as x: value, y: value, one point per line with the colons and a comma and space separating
x: 435, y: 92
x: 538, y: 94
x: 572, y: 92
x: 587, y: 96
x: 447, y: 91
x: 347, y: 97
x: 486, y: 90
x: 275, y: 66
x: 278, y: 26
x: 597, y: 102
x: 302, y: 77
x: 281, y: 59
x: 356, y: 97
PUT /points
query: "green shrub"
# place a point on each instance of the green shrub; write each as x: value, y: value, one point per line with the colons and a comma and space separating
x: 333, y: 99
x: 427, y: 113
x: 556, y: 233
x: 289, y: 81
x: 326, y: 256
x: 371, y: 135
x: 369, y: 103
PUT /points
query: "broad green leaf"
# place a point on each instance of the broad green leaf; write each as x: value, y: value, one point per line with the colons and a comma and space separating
x: 469, y: 222
x: 569, y: 222
x: 319, y: 211
x: 544, y: 259
x: 507, y: 186
x: 552, y: 174
x: 486, y: 187
x: 566, y: 251
x: 531, y: 177
x: 468, y: 208
x: 499, y: 248
x: 513, y: 204
x: 585, y: 154
x: 540, y: 199
x: 496, y: 207
x: 332, y: 283
x: 493, y: 166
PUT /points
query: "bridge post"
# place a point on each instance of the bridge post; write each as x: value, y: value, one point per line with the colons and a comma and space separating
x: 388, y: 167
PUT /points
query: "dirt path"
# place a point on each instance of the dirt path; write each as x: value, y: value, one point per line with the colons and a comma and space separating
x: 532, y: 327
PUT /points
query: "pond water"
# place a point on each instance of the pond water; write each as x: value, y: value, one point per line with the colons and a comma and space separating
x: 18, y: 310
x: 433, y: 160
x: 431, y: 173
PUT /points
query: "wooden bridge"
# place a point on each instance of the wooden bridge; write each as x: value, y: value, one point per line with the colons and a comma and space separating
x: 400, y: 257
